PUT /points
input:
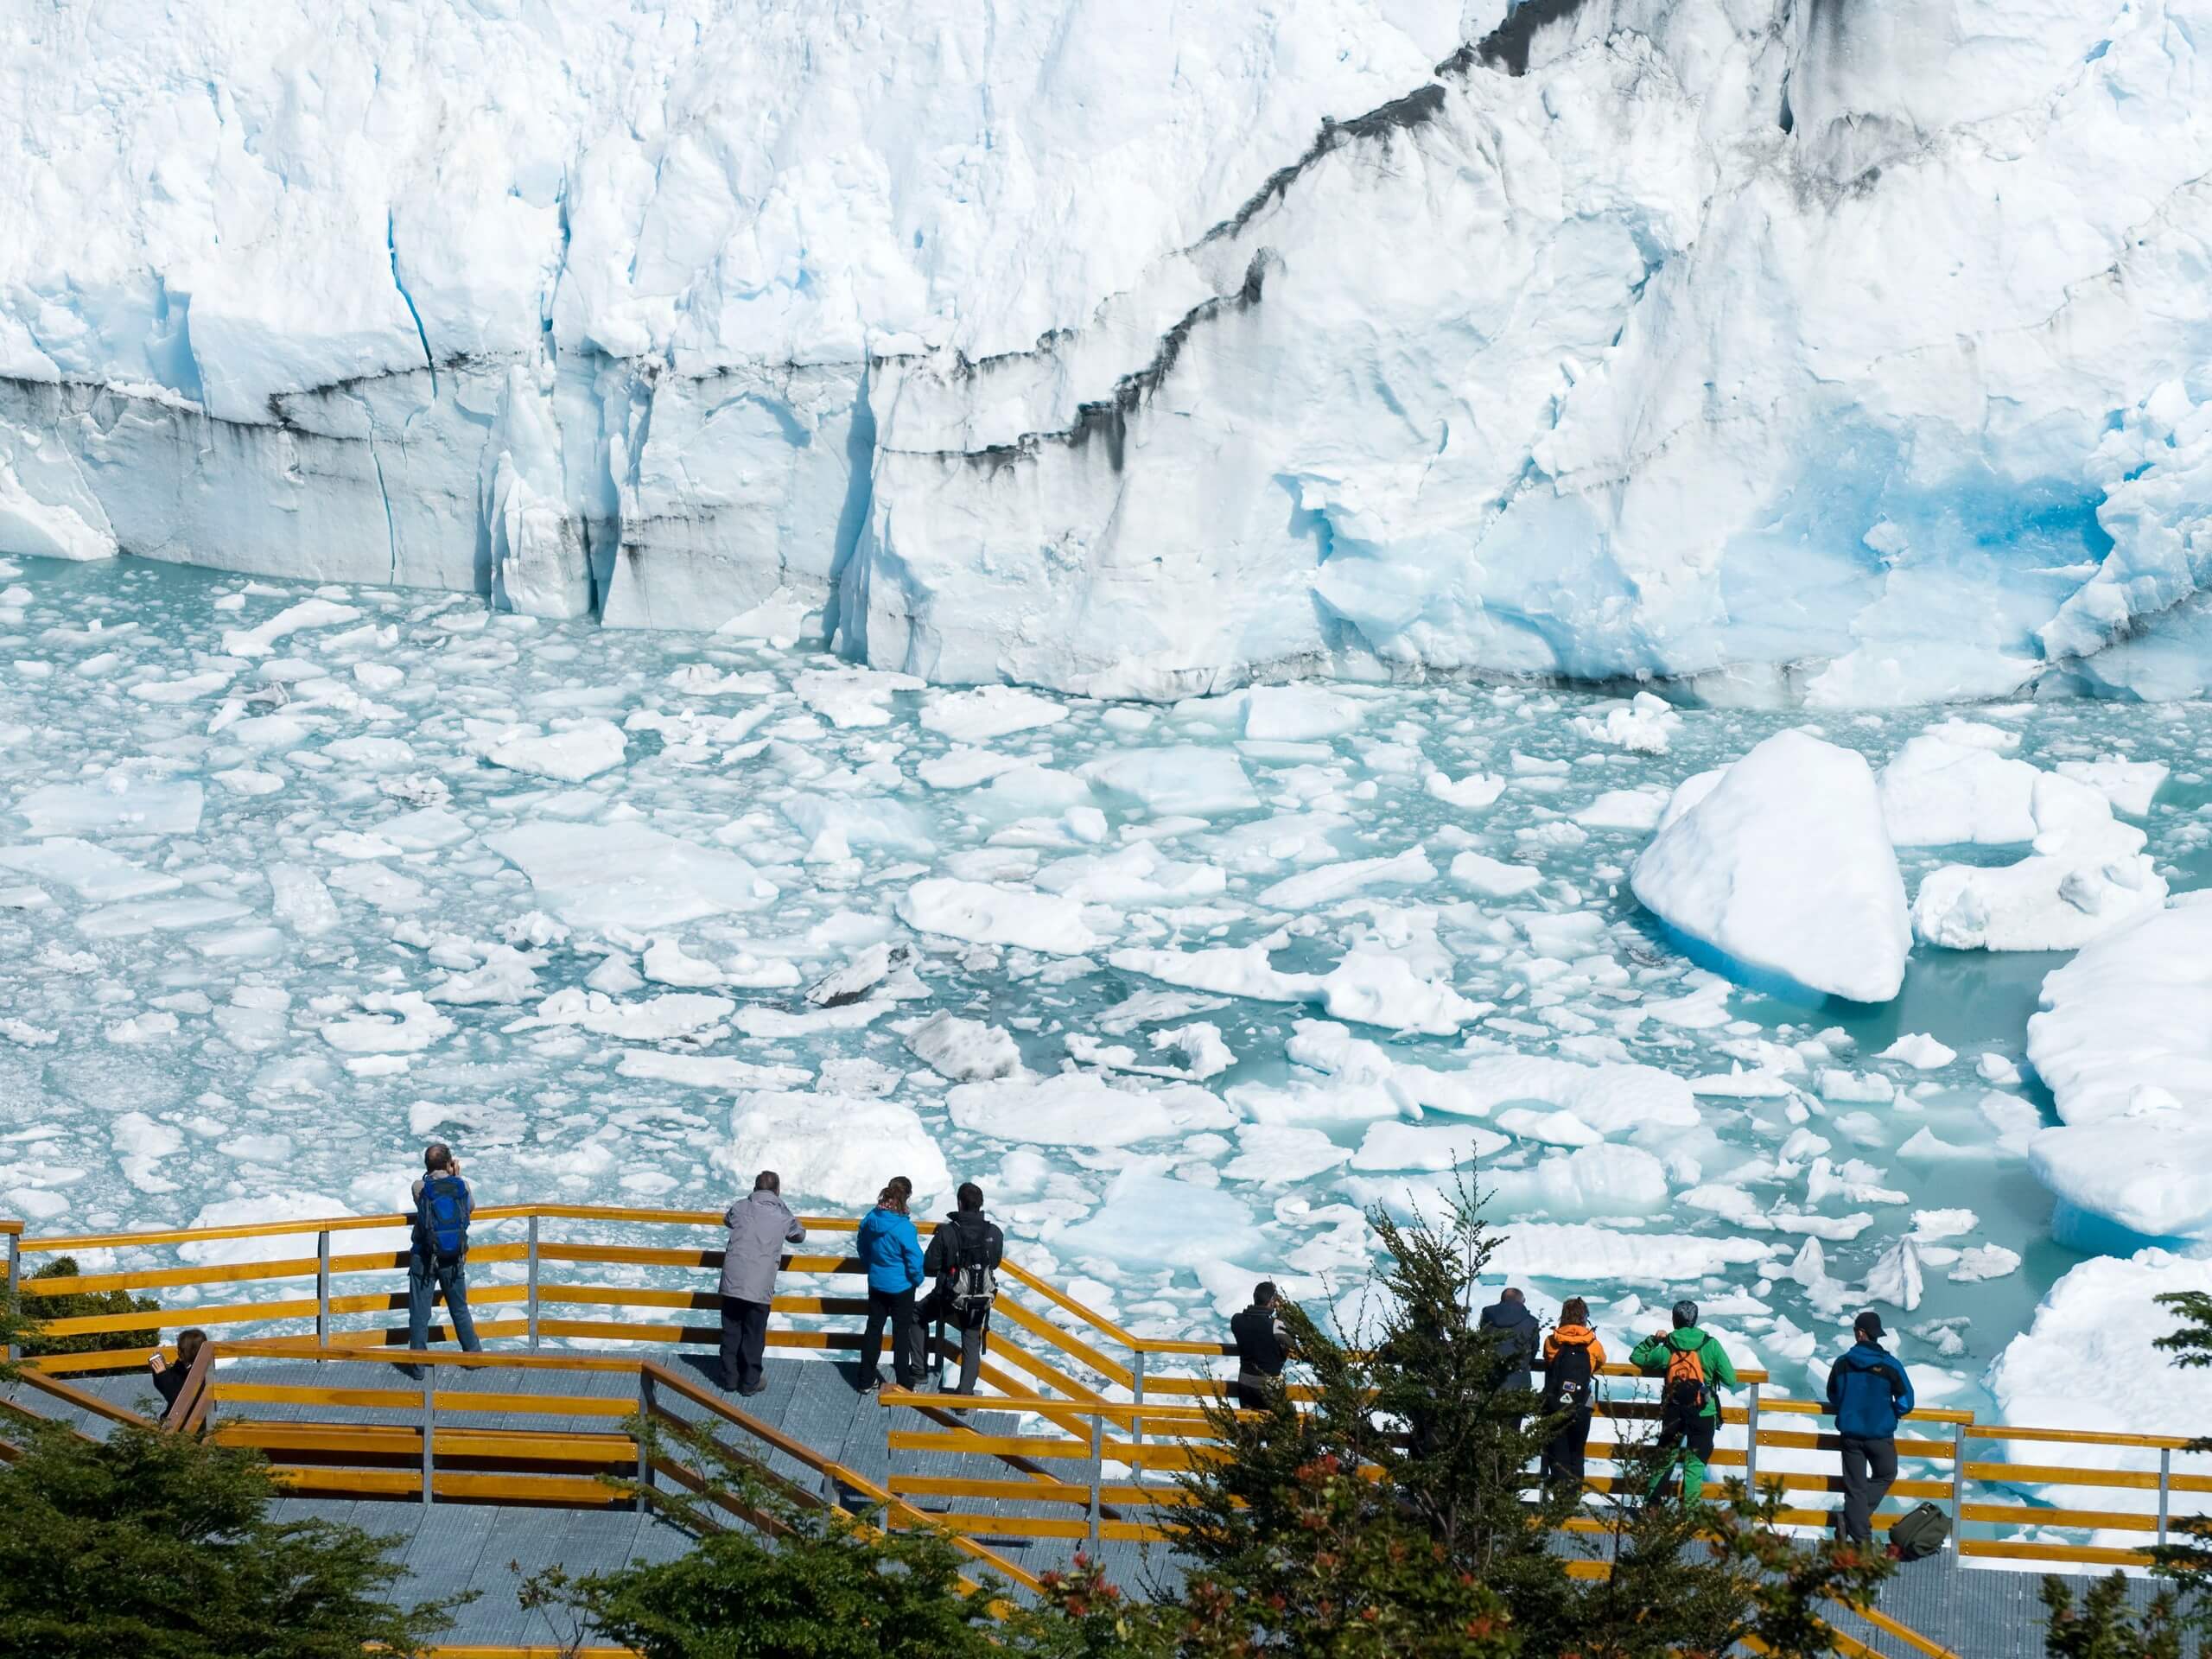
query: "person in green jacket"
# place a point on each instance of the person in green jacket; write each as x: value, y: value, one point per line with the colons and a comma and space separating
x: 1696, y: 1369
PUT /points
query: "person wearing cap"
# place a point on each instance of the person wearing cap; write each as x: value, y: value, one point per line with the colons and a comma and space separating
x: 1868, y: 1391
x: 1689, y: 1411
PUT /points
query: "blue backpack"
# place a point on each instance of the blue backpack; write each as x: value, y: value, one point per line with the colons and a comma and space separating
x: 442, y: 1221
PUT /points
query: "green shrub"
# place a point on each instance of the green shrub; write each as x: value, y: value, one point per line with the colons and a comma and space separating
x: 77, y: 1304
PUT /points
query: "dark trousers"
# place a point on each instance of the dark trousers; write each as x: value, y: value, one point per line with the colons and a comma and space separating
x: 906, y: 1332
x: 745, y: 1339
x: 1562, y: 1461
x: 1869, y: 1466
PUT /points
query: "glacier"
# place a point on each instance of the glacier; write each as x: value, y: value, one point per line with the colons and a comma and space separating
x: 1837, y: 352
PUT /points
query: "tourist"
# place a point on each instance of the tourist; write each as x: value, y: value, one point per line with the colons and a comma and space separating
x: 168, y: 1380
x: 438, y: 1257
x: 1696, y: 1370
x: 1514, y: 1345
x: 891, y: 1250
x: 964, y: 1258
x: 1868, y: 1391
x: 1262, y: 1346
x: 760, y: 1224
x: 1573, y: 1358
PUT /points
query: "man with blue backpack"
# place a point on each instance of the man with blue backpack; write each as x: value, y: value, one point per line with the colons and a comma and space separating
x: 437, y: 1260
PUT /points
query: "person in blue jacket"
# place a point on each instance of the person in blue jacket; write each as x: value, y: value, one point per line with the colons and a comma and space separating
x: 1868, y: 1391
x: 891, y: 1250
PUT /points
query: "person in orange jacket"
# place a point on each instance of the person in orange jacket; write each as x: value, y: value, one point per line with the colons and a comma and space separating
x: 1573, y: 1358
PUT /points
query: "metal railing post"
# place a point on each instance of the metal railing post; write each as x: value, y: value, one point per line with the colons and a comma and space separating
x: 532, y: 1315
x: 1958, y: 1494
x: 322, y: 1288
x: 1097, y: 1474
x: 429, y: 1429
x: 15, y: 1278
x: 1137, y: 1423
x: 1752, y: 1441
x: 2165, y: 1488
x: 644, y: 1429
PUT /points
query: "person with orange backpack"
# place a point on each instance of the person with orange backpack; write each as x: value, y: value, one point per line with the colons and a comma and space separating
x: 1573, y: 1358
x: 1696, y: 1369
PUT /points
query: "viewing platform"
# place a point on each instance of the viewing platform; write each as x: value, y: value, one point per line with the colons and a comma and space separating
x: 595, y: 1317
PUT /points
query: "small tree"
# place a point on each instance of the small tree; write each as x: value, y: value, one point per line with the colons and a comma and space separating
x: 2106, y: 1627
x: 159, y: 1546
x: 73, y: 1304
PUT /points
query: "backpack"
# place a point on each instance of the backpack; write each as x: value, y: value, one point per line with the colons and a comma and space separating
x: 1567, y: 1379
x: 1920, y: 1533
x: 441, y: 1223
x: 973, y: 1284
x: 1683, y: 1396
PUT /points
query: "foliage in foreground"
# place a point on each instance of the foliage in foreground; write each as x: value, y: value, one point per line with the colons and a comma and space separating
x: 1392, y: 1515
x: 80, y: 1303
x: 159, y: 1546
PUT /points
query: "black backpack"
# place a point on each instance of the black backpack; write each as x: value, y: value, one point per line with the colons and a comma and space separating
x: 1569, y: 1381
x: 973, y: 1284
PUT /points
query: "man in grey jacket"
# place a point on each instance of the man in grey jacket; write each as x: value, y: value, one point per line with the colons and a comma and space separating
x: 760, y: 1224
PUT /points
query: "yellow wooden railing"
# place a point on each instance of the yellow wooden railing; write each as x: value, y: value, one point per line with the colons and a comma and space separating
x: 1072, y: 1368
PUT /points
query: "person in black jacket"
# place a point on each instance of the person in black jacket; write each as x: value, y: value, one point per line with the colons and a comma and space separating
x: 964, y: 1258
x: 1515, y: 1345
x: 1262, y: 1347
x: 168, y: 1380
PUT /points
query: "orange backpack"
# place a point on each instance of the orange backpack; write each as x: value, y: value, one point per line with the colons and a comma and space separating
x: 1684, y: 1395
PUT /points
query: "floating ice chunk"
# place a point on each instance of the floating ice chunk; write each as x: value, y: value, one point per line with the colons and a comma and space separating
x: 302, y: 901
x: 150, y: 1027
x: 89, y: 871
x: 1310, y: 889
x: 2090, y: 1361
x: 1933, y: 1225
x: 2057, y: 901
x: 307, y: 613
x: 674, y: 1013
x: 2149, y: 1173
x: 2130, y: 785
x: 141, y: 1143
x: 984, y: 913
x: 966, y: 1051
x: 1920, y: 1050
x: 715, y: 1071
x: 1187, y: 778
x: 1470, y: 793
x: 1425, y: 1147
x: 1895, y: 1278
x: 1980, y: 1262
x: 1836, y: 1083
x: 666, y: 963
x: 2133, y: 1008
x: 425, y: 830
x: 1146, y: 1218
x: 378, y: 754
x: 1132, y: 875
x: 989, y: 711
x: 1645, y: 724
x: 623, y: 875
x: 352, y: 843
x: 1783, y: 867
x: 837, y: 1148
x: 1280, y: 1153
x: 386, y: 889
x: 1204, y: 1054
x: 157, y: 916
x: 1626, y: 809
x: 852, y: 697
x: 572, y: 752
x: 1611, y: 1099
x: 119, y: 802
x: 1551, y: 1128
x: 192, y: 687
x: 867, y: 821
x: 963, y: 768
x: 1079, y: 1109
x: 1297, y: 713
x: 1936, y: 792
x: 395, y: 1022
x: 1493, y: 879
x: 1582, y: 1253
x: 1600, y: 1180
x: 1382, y: 990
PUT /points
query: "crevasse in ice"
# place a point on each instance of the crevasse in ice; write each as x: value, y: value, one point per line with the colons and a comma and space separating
x: 1854, y: 353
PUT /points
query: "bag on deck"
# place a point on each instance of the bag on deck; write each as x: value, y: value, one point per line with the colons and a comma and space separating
x: 443, y: 1227
x: 1682, y: 1399
x: 1920, y: 1533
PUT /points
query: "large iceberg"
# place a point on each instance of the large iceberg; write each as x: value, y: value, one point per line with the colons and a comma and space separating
x: 1854, y: 353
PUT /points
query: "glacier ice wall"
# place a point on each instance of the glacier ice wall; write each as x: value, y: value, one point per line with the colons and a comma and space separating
x: 1854, y: 351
